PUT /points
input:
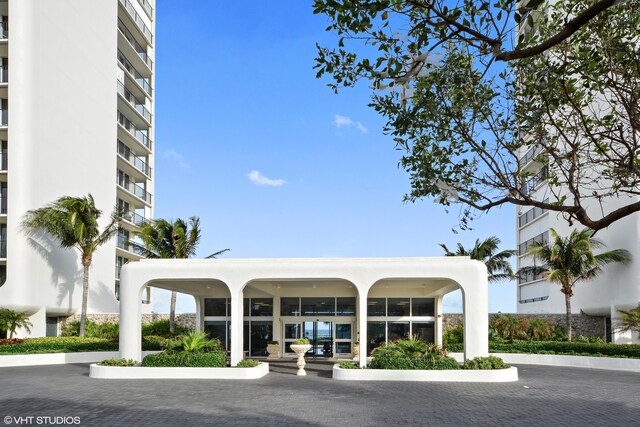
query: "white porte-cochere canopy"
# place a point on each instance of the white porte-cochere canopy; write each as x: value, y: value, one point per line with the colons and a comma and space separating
x: 365, y: 277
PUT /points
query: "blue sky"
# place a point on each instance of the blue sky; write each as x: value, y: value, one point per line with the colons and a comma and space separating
x: 271, y: 160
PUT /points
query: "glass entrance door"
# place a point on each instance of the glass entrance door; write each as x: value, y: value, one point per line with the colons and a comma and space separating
x: 321, y: 336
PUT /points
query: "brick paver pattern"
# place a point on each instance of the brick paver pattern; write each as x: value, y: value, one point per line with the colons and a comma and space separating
x: 544, y: 396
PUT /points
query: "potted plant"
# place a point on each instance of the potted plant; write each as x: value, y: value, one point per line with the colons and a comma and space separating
x: 300, y: 347
x: 273, y: 348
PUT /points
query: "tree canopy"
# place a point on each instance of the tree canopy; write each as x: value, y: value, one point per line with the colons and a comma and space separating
x: 487, y: 101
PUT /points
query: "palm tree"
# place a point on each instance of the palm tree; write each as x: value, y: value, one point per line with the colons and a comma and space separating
x: 497, y: 263
x: 511, y: 327
x: 73, y: 223
x: 567, y: 261
x: 630, y: 320
x: 11, y: 320
x: 176, y: 240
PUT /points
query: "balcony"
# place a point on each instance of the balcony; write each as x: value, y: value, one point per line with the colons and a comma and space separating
x: 135, y: 161
x: 137, y: 47
x: 530, y: 155
x: 135, y: 219
x: 135, y: 189
x: 129, y: 246
x: 135, y: 17
x: 140, y: 135
x: 4, y: 74
x: 137, y: 105
x: 142, y: 81
x: 542, y: 238
x: 4, y: 30
x: 3, y: 248
x: 148, y: 9
x: 531, y: 183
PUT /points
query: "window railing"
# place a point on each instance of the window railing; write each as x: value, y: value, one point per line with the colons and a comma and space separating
x: 135, y: 218
x: 147, y: 7
x: 128, y: 245
x: 530, y: 184
x: 3, y: 205
x: 531, y: 214
x: 135, y: 161
x: 530, y: 155
x: 135, y: 189
x: 4, y: 117
x: 140, y: 50
x: 529, y: 276
x: 4, y: 161
x: 4, y: 74
x: 4, y: 30
x: 142, y: 81
x: 138, y: 20
x: 135, y: 103
x: 542, y: 238
x: 139, y: 135
x: 525, y: 301
x: 3, y: 248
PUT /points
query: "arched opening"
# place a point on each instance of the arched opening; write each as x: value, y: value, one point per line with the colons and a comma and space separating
x: 402, y: 307
x: 284, y: 310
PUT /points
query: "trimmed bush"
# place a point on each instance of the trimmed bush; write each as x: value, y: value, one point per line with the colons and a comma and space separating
x: 59, y: 345
x: 11, y: 341
x: 485, y: 363
x: 562, y: 347
x: 161, y: 328
x: 411, y: 353
x: 183, y: 359
x: 109, y: 331
x: 247, y: 363
x: 348, y: 365
x: 453, y: 336
x: 116, y: 361
x: 160, y: 342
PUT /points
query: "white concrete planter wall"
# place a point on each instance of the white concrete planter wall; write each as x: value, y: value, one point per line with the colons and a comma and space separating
x: 611, y: 363
x: 138, y: 372
x: 461, y: 375
x: 7, y: 360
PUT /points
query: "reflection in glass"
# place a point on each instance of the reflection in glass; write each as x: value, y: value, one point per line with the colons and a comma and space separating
x: 398, y: 307
x: 343, y: 331
x: 318, y: 306
x: 291, y: 331
x: 425, y: 330
x: 215, y: 306
x: 375, y: 335
x: 217, y: 329
x: 261, y: 307
x: 422, y: 307
x: 290, y: 306
x: 343, y: 347
x: 261, y: 333
x: 397, y: 330
x: 346, y: 306
x: 376, y: 307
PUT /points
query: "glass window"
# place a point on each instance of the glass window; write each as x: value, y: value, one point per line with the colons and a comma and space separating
x: 375, y: 335
x: 422, y: 307
x: 217, y: 329
x: 425, y: 330
x: 290, y: 306
x: 245, y: 338
x: 343, y: 331
x: 261, y: 334
x: 246, y: 306
x: 397, y: 330
x: 376, y: 307
x: 346, y: 306
x: 343, y: 347
x: 292, y: 331
x: 215, y: 306
x: 398, y: 307
x: 318, y: 306
x: 261, y: 307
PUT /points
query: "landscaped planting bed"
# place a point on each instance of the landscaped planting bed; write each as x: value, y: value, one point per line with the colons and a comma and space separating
x: 65, y: 345
x: 560, y: 347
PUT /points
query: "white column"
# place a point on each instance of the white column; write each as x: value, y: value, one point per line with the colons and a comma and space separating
x: 38, y: 325
x: 237, y: 327
x: 475, y: 303
x: 362, y: 325
x: 199, y: 326
x: 277, y: 326
x: 130, y: 318
x: 438, y: 326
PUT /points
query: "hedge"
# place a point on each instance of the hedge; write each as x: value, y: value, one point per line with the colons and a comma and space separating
x: 66, y: 345
x: 560, y: 347
x: 183, y: 359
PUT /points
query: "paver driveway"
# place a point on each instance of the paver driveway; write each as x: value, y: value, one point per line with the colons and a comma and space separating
x: 543, y: 396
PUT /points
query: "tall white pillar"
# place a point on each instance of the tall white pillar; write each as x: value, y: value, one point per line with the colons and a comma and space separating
x: 475, y: 303
x: 130, y: 318
x: 237, y: 327
x: 199, y: 326
x: 362, y: 326
x: 439, y: 320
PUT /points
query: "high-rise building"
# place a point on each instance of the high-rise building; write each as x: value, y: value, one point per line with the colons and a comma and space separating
x: 76, y: 98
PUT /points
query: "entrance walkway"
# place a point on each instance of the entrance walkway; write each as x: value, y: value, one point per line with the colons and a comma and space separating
x: 543, y: 396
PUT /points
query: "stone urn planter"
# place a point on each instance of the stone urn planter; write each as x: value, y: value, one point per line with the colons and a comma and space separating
x: 274, y: 350
x: 356, y: 351
x: 300, y: 350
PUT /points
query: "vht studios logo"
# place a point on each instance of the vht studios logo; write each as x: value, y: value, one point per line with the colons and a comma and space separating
x: 40, y: 420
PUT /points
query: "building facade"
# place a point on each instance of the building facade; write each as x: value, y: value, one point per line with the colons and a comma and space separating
x: 76, y: 92
x: 618, y: 287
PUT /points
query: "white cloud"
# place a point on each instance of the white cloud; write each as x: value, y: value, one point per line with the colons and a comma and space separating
x: 258, y: 179
x: 341, y: 121
x: 176, y: 157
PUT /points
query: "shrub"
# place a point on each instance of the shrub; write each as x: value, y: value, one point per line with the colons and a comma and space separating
x: 302, y: 341
x: 183, y: 359
x: 484, y: 363
x: 565, y: 347
x: 116, y: 361
x: 588, y: 338
x: 559, y: 333
x: 161, y: 328
x: 247, y: 363
x: 108, y: 331
x: 155, y: 340
x: 511, y: 327
x: 194, y: 342
x: 11, y: 341
x: 59, y: 345
x: 539, y: 329
x: 453, y: 336
x: 411, y: 353
x: 273, y: 343
x: 348, y: 365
